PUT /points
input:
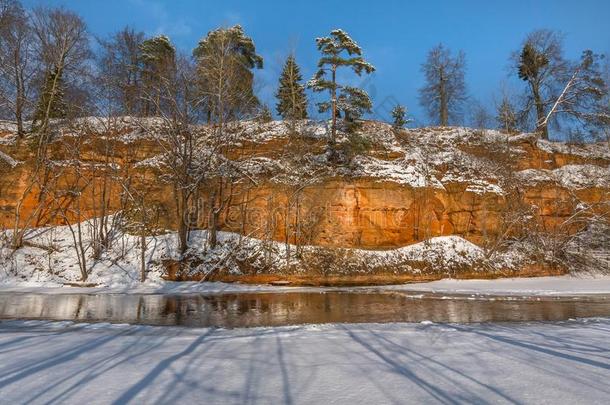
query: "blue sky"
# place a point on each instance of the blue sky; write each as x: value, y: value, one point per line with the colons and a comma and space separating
x: 395, y: 35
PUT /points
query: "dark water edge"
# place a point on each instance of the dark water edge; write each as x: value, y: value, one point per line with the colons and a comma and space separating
x: 231, y: 310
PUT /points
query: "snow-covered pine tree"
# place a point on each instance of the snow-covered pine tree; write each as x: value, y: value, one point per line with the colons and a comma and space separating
x: 225, y: 60
x: 339, y: 50
x: 354, y: 103
x: 292, y: 102
x: 157, y: 53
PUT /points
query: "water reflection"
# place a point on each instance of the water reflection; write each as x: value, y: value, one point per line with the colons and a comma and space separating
x: 274, y: 309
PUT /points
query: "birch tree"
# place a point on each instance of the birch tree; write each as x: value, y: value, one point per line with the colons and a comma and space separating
x: 225, y: 60
x: 583, y: 97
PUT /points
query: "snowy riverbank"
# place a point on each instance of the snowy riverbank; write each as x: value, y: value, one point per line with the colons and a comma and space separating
x: 535, y: 286
x: 564, y: 362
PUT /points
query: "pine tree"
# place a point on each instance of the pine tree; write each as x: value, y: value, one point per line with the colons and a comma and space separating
x: 292, y: 102
x: 352, y: 101
x: 158, y: 58
x: 399, y: 114
x: 50, y: 100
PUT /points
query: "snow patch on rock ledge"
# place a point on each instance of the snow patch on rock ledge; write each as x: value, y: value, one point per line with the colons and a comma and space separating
x: 590, y: 150
x: 398, y: 171
x: 573, y: 177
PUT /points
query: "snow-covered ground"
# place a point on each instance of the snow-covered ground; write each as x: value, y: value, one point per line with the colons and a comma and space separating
x: 154, y: 287
x: 49, y: 258
x: 552, y: 286
x: 55, y: 362
x: 534, y: 286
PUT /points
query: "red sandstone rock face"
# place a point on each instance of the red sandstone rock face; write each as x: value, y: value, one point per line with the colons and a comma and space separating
x: 423, y: 183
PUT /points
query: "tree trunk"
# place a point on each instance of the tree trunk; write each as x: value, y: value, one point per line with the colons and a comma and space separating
x: 541, y: 125
x: 143, y: 257
x: 444, y: 109
x: 213, y: 222
x: 334, y: 108
x: 19, y: 101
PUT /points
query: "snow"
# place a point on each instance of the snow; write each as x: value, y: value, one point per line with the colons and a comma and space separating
x: 148, y: 287
x: 398, y: 171
x: 574, y: 177
x: 538, y: 286
x: 583, y: 176
x: 554, y: 286
x: 48, y: 261
x: 7, y: 127
x: 591, y: 150
x: 442, y: 251
x: 49, y: 256
x: 62, y: 362
x: 473, y: 185
x: 8, y: 160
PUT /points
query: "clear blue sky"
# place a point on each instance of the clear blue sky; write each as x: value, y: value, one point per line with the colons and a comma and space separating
x: 395, y: 35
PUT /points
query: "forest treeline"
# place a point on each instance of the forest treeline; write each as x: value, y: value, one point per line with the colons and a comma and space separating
x: 52, y: 67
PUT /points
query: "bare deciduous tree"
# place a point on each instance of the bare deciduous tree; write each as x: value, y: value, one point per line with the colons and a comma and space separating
x: 540, y: 63
x: 63, y: 50
x: 121, y: 70
x: 17, y: 66
x: 186, y: 159
x: 445, y: 90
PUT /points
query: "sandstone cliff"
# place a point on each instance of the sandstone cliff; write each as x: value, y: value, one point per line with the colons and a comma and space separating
x: 487, y: 187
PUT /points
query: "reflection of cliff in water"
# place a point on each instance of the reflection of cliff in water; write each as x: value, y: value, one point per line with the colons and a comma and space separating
x: 272, y: 309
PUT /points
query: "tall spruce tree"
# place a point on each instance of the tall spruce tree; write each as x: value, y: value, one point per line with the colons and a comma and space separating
x: 339, y: 50
x: 52, y: 98
x: 292, y: 101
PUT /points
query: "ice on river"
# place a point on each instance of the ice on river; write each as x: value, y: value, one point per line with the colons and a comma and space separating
x: 61, y: 362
